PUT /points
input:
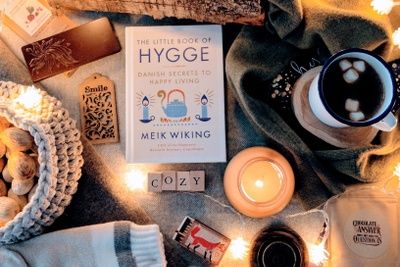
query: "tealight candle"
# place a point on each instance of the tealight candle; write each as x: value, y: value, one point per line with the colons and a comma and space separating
x: 259, y: 182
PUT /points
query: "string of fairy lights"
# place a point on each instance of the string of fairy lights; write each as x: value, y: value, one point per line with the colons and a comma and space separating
x: 239, y: 247
x: 385, y: 7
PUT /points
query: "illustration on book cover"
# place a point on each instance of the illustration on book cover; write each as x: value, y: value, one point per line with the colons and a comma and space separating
x: 173, y: 104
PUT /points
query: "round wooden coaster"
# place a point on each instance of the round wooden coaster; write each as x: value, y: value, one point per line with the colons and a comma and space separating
x: 349, y: 137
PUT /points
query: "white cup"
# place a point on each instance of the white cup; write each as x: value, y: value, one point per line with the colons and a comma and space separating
x: 383, y: 119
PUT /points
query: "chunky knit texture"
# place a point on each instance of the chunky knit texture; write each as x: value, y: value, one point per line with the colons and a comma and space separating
x: 59, y: 156
x: 112, y: 244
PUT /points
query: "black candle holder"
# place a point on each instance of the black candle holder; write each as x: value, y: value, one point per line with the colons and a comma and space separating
x: 279, y: 246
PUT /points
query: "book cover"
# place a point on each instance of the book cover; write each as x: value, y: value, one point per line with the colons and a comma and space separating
x: 175, y: 94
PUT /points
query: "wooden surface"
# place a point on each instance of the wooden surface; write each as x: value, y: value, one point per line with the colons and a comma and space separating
x: 221, y: 11
x: 349, y: 137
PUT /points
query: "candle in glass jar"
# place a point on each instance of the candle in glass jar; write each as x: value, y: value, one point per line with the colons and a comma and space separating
x: 259, y: 182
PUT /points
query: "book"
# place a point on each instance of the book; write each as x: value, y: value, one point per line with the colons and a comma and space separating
x: 174, y: 94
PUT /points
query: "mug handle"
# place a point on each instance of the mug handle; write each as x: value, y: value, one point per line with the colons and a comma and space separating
x: 386, y: 124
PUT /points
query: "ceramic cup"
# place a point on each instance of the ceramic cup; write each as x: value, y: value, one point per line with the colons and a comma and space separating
x: 382, y: 118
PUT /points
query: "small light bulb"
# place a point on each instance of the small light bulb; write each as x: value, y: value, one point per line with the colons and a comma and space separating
x: 135, y: 180
x: 318, y: 254
x: 382, y: 7
x: 259, y: 184
x: 239, y: 248
x: 30, y: 97
x: 396, y: 37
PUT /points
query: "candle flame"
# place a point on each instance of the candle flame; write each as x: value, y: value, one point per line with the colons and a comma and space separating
x: 259, y: 184
x: 397, y: 170
x: 135, y: 180
x: 318, y: 254
x: 30, y: 98
x: 382, y: 7
x: 239, y: 248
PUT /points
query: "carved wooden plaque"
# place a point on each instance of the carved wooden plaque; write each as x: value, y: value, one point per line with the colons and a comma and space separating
x: 70, y: 49
x: 99, y: 123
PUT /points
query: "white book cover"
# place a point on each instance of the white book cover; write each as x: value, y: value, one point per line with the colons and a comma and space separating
x: 175, y: 94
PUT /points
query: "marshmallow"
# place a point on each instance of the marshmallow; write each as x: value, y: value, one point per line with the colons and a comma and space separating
x: 344, y: 64
x: 351, y: 76
x: 359, y: 65
x: 352, y: 105
x: 357, y: 116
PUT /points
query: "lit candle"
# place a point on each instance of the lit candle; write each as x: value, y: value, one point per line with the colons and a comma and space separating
x: 259, y: 182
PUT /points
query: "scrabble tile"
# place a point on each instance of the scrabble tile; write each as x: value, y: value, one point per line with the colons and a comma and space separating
x: 197, y: 181
x: 183, y: 181
x: 154, y: 182
x: 169, y: 181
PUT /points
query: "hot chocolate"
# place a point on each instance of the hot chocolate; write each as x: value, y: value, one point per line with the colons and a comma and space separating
x: 353, y: 90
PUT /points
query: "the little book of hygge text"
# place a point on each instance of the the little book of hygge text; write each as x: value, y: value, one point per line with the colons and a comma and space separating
x: 174, y: 94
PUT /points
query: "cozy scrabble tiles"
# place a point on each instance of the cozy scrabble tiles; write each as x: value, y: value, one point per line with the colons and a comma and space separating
x: 176, y: 181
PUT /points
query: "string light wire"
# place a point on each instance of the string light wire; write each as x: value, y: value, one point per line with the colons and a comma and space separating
x: 317, y: 252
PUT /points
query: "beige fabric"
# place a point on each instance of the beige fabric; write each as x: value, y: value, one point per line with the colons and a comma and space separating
x: 363, y: 228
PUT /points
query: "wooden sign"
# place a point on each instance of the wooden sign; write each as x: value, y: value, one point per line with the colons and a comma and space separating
x: 70, y: 49
x: 202, y: 240
x: 99, y: 123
